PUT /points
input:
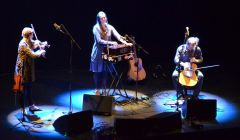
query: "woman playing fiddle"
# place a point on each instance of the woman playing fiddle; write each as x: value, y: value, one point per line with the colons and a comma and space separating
x: 24, y: 69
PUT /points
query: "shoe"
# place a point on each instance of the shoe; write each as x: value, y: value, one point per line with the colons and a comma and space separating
x: 24, y: 112
x: 195, y: 98
x: 97, y: 92
x: 34, y: 108
x: 105, y: 93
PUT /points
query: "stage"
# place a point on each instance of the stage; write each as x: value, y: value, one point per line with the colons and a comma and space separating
x: 148, y: 109
x: 155, y: 97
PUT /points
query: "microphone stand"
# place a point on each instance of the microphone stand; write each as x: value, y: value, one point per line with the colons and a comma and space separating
x: 178, y: 69
x: 178, y: 86
x: 72, y: 42
x: 139, y: 47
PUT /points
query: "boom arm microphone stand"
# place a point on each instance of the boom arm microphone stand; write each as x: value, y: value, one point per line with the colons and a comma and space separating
x: 63, y: 30
x: 139, y: 47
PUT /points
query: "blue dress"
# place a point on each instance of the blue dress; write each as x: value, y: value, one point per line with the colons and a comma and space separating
x: 101, y: 40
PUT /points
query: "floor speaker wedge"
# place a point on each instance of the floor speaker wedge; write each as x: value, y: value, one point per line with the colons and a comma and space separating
x: 101, y: 105
x: 74, y: 123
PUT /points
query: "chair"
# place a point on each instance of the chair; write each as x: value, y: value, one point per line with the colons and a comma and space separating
x: 184, y: 94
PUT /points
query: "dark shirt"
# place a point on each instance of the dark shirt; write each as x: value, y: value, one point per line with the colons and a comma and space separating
x: 185, y: 55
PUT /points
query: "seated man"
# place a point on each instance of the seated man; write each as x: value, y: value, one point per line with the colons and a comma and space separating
x: 187, y: 55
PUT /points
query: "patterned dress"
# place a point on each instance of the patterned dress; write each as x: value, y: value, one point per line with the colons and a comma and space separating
x: 25, y: 62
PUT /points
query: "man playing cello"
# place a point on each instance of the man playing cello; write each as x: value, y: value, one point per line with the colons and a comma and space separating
x: 186, y: 59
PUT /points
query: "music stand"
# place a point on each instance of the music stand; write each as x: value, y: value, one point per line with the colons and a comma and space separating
x: 72, y: 41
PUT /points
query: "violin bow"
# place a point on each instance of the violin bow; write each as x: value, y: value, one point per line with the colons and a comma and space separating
x: 34, y: 32
x: 36, y: 37
x: 208, y: 67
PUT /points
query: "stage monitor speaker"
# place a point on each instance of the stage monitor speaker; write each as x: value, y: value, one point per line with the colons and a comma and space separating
x: 130, y: 126
x: 74, y: 123
x: 199, y: 109
x: 165, y: 122
x: 158, y: 124
x: 101, y: 105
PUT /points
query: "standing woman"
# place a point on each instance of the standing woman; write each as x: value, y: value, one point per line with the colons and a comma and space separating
x: 102, y: 32
x: 24, y: 73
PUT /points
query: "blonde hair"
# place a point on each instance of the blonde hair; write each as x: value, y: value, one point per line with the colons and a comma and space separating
x: 26, y: 32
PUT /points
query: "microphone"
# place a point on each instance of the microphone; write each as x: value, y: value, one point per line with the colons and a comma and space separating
x: 58, y: 27
x: 187, y: 31
x: 124, y: 38
x: 130, y: 39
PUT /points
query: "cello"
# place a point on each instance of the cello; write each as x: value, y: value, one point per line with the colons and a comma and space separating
x: 188, y: 76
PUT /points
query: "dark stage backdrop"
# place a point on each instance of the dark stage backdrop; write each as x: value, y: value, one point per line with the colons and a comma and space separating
x: 158, y: 26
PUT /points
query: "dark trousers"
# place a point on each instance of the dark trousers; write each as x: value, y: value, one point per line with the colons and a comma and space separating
x: 179, y: 88
x: 26, y: 95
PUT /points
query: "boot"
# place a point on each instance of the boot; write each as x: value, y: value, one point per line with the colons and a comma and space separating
x: 34, y: 108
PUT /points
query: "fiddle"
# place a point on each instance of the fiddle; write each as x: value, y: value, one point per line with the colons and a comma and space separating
x: 17, y: 87
x: 39, y: 44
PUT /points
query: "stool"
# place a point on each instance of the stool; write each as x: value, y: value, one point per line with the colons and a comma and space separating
x: 185, y: 91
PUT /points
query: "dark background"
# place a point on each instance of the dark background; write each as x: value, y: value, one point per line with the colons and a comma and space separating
x: 158, y: 26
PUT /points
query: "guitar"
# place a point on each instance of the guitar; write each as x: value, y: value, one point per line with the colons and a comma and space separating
x: 136, y: 71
